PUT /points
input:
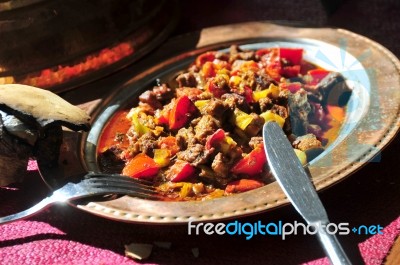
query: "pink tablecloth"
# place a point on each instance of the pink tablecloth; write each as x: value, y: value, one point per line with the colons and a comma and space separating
x: 66, y: 235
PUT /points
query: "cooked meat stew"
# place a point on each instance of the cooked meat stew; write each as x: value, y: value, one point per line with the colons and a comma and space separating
x: 202, y: 138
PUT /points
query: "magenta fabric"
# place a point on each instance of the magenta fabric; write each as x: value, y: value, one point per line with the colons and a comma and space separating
x: 66, y: 235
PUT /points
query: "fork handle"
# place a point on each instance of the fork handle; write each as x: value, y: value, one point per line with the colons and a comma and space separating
x: 332, y: 248
x: 42, y: 205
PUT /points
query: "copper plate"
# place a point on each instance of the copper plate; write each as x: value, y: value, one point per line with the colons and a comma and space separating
x: 372, y: 119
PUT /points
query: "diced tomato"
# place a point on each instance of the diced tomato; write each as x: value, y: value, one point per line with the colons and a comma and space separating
x: 292, y: 55
x: 292, y: 87
x: 212, y: 86
x: 209, y: 70
x: 169, y: 143
x: 290, y: 71
x: 205, y: 57
x: 215, y: 139
x: 262, y: 52
x: 272, y: 57
x: 180, y: 113
x: 162, y: 116
x: 252, y: 164
x: 272, y: 63
x: 243, y: 185
x: 317, y: 75
x: 141, y: 166
x: 180, y: 171
x: 248, y: 94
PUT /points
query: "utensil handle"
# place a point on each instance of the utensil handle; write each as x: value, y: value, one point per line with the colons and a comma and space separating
x: 332, y: 248
x: 42, y: 205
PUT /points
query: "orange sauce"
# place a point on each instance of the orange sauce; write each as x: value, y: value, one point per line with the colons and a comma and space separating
x: 114, y: 133
x: 336, y: 115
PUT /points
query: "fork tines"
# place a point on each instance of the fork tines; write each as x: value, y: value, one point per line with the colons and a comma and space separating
x: 121, y: 184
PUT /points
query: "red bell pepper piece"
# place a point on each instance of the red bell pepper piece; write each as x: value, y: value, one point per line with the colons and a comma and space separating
x: 216, y: 138
x: 141, y: 166
x: 293, y: 55
x: 212, y: 87
x: 205, y: 57
x: 243, y: 185
x: 180, y: 171
x: 252, y: 164
x: 248, y: 94
x: 262, y: 52
x: 291, y: 71
x: 180, y: 113
x: 162, y: 117
x: 317, y: 75
x: 272, y: 63
x: 292, y: 87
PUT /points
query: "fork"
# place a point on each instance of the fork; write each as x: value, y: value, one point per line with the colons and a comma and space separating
x: 93, y: 184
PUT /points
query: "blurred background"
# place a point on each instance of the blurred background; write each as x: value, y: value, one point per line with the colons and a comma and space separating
x: 60, y: 45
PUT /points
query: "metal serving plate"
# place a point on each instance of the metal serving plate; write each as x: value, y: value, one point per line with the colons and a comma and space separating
x: 372, y: 118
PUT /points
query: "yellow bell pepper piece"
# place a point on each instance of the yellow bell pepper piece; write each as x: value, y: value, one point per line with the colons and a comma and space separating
x: 270, y: 116
x: 226, y: 144
x: 162, y: 157
x: 185, y: 190
x: 301, y: 155
x: 234, y: 81
x: 272, y: 90
x: 201, y: 103
x: 139, y: 128
x: 242, y: 119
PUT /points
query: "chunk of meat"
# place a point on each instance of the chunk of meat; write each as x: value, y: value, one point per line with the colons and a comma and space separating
x: 265, y: 104
x: 145, y: 144
x: 157, y: 96
x: 238, y: 54
x: 280, y: 110
x: 185, y: 137
x: 187, y: 80
x: 233, y: 101
x: 220, y: 165
x: 332, y: 90
x: 299, y: 108
x: 264, y: 80
x: 216, y: 108
x: 195, y: 154
x: 110, y: 161
x: 306, y: 142
x: 256, y: 141
x: 207, y: 125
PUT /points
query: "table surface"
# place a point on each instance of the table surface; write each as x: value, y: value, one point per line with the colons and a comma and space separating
x: 368, y: 197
